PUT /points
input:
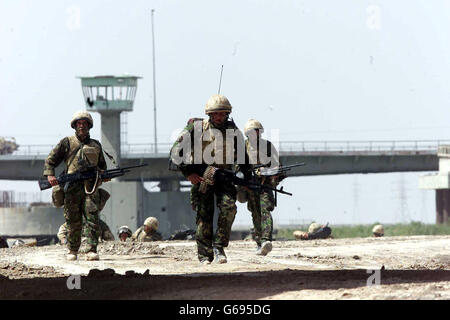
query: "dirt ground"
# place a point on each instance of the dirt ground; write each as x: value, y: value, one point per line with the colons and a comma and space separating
x: 416, y: 267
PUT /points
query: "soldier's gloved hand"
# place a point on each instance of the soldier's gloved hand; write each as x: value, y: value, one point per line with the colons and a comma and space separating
x: 195, y: 178
x: 52, y: 180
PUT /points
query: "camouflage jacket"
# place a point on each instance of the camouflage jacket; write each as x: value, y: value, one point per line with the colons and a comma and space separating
x: 188, y: 167
x: 140, y: 236
x: 61, y: 152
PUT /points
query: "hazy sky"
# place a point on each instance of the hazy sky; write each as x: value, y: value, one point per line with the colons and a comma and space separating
x: 315, y: 70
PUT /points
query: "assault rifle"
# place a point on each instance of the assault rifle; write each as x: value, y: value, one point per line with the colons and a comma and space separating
x: 223, y: 175
x: 90, y: 173
x: 281, y: 170
x: 323, y: 233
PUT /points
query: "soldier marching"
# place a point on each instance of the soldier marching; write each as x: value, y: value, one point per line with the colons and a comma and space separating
x: 81, y: 198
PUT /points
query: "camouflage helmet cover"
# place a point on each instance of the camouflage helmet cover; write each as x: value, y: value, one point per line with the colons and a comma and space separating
x: 253, y: 124
x: 217, y: 103
x: 314, y: 227
x: 124, y: 229
x: 81, y: 115
x: 152, y: 222
x: 378, y: 229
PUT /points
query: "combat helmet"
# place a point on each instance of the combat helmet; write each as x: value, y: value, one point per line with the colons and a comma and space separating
x: 253, y: 124
x: 124, y: 229
x: 81, y: 115
x: 314, y: 227
x: 378, y: 230
x: 152, y: 222
x: 218, y: 103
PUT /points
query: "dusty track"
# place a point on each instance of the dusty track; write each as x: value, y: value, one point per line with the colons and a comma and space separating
x: 411, y: 268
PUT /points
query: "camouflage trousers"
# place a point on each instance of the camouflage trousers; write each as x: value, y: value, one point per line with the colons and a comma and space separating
x: 203, y: 204
x: 76, y: 206
x: 260, y: 205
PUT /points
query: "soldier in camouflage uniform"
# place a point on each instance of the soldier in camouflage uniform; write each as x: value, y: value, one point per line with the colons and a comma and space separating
x: 261, y: 204
x: 378, y: 230
x: 210, y: 136
x: 124, y: 233
x: 104, y: 235
x: 105, y: 232
x: 81, y: 198
x: 148, y: 232
x: 315, y: 231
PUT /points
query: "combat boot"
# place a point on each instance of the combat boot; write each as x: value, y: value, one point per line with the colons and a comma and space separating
x: 205, y: 261
x: 220, y: 255
x: 92, y: 256
x: 266, y: 248
x: 71, y: 255
x: 258, y: 249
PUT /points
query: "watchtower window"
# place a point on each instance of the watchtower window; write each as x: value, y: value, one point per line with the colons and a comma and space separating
x: 101, y: 93
x: 109, y: 92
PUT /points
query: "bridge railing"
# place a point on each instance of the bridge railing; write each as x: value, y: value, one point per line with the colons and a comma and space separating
x: 284, y: 146
x: 146, y: 148
x: 33, y: 150
x: 362, y: 146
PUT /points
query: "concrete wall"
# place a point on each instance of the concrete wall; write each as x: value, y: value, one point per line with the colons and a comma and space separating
x: 124, y: 207
x: 30, y: 221
x: 110, y: 127
x: 172, y: 209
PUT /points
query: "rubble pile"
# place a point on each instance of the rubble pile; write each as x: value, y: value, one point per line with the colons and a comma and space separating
x: 17, y: 270
x: 130, y: 248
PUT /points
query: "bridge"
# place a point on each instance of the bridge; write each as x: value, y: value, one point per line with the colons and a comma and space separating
x: 321, y: 158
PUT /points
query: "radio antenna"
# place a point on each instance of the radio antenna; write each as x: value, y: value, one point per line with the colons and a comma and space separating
x: 220, y: 81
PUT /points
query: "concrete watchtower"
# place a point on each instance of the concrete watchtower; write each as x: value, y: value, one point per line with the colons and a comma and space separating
x: 109, y: 96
